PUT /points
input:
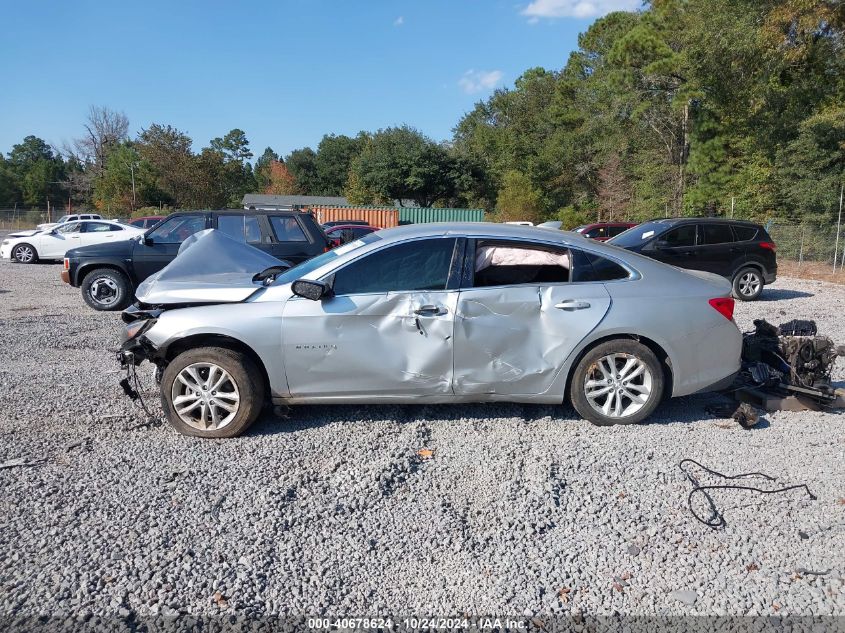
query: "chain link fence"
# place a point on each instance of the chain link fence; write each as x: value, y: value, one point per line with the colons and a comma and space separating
x: 14, y: 219
x: 810, y: 243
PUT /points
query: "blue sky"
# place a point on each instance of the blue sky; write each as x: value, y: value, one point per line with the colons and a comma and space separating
x: 286, y: 71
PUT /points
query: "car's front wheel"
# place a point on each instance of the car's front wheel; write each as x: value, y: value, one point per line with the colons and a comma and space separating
x: 212, y: 392
x: 106, y: 289
x: 748, y: 284
x: 25, y: 254
x: 617, y: 382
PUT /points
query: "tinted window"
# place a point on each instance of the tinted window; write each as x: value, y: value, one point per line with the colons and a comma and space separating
x: 69, y: 227
x: 176, y: 230
x: 590, y: 267
x: 287, y: 229
x: 507, y: 264
x: 745, y: 233
x: 418, y: 265
x: 639, y: 235
x: 244, y: 228
x: 613, y: 231
x: 717, y: 233
x: 98, y: 227
x: 115, y: 227
x: 681, y: 236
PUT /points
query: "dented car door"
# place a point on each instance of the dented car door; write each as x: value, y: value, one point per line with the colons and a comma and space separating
x: 387, y: 329
x: 514, y: 339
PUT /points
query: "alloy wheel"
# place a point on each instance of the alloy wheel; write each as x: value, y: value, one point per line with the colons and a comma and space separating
x: 24, y: 254
x: 205, y: 396
x: 749, y: 284
x: 618, y: 385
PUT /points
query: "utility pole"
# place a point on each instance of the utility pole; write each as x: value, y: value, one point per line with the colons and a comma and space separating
x: 838, y: 224
x: 732, y: 207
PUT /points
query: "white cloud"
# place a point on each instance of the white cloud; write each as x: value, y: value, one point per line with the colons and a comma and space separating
x: 576, y: 8
x: 474, y: 81
x: 399, y: 21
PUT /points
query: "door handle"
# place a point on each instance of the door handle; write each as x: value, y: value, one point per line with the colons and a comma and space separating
x: 429, y: 310
x: 571, y: 304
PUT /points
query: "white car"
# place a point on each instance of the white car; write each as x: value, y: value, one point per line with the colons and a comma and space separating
x: 69, y: 218
x: 54, y: 243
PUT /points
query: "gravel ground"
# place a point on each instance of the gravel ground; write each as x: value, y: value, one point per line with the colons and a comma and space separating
x: 520, y: 509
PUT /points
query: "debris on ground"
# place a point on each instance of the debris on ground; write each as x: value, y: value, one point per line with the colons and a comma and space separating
x: 425, y: 453
x: 686, y: 596
x: 20, y: 462
x: 746, y: 416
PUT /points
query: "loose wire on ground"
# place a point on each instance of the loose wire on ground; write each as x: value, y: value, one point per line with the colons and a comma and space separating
x: 716, y: 520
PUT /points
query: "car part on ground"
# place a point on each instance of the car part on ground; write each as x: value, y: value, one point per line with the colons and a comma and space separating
x: 740, y: 251
x: 448, y: 313
x: 781, y: 370
x: 294, y: 235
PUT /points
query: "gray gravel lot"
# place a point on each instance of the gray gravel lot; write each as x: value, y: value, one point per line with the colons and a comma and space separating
x: 520, y: 509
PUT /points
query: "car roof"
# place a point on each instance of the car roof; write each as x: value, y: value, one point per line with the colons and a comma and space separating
x: 487, y: 230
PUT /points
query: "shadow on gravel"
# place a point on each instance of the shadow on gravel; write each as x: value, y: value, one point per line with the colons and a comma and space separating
x: 303, y: 417
x: 779, y: 294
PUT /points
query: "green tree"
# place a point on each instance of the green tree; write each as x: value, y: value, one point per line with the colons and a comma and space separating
x: 519, y: 199
x: 332, y: 162
x: 302, y: 165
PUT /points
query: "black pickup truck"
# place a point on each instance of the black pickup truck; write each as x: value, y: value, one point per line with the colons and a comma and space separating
x: 109, y: 273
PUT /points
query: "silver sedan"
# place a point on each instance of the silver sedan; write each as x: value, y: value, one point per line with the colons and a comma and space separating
x: 433, y: 313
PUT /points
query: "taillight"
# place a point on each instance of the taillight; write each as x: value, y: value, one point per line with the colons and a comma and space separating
x: 67, y: 264
x: 769, y: 245
x: 724, y: 306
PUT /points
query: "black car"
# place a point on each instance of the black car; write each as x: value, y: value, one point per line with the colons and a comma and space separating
x: 109, y: 273
x: 743, y: 252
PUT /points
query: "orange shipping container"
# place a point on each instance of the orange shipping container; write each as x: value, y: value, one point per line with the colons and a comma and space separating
x: 382, y: 218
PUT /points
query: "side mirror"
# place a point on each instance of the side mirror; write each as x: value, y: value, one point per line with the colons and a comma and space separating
x: 148, y: 241
x: 314, y: 290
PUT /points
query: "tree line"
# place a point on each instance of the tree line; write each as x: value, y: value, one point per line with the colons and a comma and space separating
x: 687, y: 107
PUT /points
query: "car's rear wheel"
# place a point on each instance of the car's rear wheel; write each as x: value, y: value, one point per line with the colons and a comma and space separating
x: 748, y: 284
x: 25, y: 254
x: 617, y: 382
x: 106, y: 289
x: 212, y: 392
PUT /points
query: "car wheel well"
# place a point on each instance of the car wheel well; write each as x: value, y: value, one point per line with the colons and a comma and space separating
x: 754, y: 265
x: 83, y: 271
x: 217, y: 340
x: 662, y: 356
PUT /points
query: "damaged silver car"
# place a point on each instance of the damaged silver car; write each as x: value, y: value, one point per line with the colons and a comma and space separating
x: 436, y: 313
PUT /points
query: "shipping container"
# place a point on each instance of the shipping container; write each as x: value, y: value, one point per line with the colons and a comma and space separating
x: 420, y: 215
x: 384, y: 218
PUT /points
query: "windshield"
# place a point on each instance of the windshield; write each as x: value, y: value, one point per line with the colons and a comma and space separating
x: 638, y: 235
x: 64, y: 218
x: 300, y: 270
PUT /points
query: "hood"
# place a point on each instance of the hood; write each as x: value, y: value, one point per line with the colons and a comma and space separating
x: 121, y: 248
x: 27, y: 233
x: 211, y: 267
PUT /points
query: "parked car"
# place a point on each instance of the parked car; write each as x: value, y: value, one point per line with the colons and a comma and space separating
x: 108, y: 274
x: 438, y: 313
x: 742, y: 252
x: 343, y: 233
x: 328, y: 225
x: 69, y: 218
x: 54, y: 243
x: 603, y: 231
x: 147, y: 221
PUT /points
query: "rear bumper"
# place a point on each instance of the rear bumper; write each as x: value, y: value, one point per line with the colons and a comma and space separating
x: 769, y: 277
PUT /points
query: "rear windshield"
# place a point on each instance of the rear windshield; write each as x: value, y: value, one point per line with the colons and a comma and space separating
x: 639, y: 234
x: 300, y: 270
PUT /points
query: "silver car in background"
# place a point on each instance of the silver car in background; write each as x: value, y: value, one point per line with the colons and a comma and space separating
x: 434, y: 313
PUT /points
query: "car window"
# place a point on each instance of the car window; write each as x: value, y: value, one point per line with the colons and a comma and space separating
x: 592, y: 267
x: 98, y: 227
x: 177, y: 229
x: 680, y: 236
x: 717, y: 233
x: 599, y: 231
x: 745, y: 233
x: 287, y: 229
x: 613, y: 231
x: 508, y: 263
x: 115, y: 227
x: 359, y: 232
x: 417, y: 265
x: 64, y: 218
x: 244, y: 228
x: 69, y: 227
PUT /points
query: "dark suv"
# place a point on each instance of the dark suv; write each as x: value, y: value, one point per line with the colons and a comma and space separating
x: 109, y: 273
x: 740, y: 251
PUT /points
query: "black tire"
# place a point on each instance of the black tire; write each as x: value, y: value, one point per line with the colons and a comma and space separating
x: 748, y: 284
x: 107, y: 289
x: 590, y: 367
x: 245, y: 380
x: 24, y: 253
